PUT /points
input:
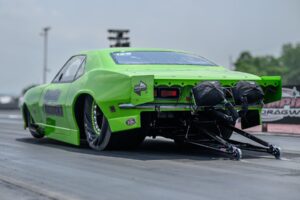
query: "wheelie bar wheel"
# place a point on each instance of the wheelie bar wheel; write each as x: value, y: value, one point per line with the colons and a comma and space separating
x: 236, y: 153
x: 276, y: 151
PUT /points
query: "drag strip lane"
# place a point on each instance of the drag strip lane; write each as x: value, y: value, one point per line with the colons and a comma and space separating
x: 23, y: 189
x: 46, y: 169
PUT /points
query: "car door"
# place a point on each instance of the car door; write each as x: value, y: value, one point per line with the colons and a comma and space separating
x: 54, y: 97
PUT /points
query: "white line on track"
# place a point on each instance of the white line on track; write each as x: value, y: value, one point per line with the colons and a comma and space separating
x: 8, y: 121
x: 14, y: 116
x: 11, y: 116
x: 21, y: 132
x: 285, y: 159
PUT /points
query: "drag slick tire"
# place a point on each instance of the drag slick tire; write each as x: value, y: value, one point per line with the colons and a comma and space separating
x: 99, y: 135
x: 35, y: 130
x: 226, y: 133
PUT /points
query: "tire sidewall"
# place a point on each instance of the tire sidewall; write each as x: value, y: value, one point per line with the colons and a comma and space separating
x: 105, y: 133
x: 35, y: 132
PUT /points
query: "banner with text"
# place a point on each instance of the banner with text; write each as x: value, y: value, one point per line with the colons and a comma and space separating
x: 287, y: 110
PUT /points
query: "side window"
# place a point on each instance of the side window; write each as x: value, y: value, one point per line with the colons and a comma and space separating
x: 69, y: 70
x: 80, y: 70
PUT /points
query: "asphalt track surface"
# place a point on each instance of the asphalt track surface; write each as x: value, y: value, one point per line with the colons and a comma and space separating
x: 46, y: 169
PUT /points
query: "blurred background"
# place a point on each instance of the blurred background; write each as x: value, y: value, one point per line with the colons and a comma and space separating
x: 258, y: 36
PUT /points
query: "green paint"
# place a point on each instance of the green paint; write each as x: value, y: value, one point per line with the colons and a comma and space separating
x: 110, y: 85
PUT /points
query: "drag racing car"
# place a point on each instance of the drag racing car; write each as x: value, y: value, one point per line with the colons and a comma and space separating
x: 114, y: 98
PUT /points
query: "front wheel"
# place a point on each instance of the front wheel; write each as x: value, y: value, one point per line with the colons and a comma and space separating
x: 35, y: 130
x: 99, y: 135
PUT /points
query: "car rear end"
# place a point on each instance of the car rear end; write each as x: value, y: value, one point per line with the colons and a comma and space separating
x: 166, y: 88
x: 167, y: 106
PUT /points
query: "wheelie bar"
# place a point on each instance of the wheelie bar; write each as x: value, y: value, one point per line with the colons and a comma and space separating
x: 232, y: 147
x: 216, y: 143
x: 266, y: 147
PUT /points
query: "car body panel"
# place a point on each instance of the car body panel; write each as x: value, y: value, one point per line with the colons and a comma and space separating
x: 112, y: 85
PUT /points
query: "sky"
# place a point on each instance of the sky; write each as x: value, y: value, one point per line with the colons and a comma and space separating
x: 216, y: 29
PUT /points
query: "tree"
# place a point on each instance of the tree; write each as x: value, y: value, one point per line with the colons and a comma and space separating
x: 290, y: 58
x: 287, y: 65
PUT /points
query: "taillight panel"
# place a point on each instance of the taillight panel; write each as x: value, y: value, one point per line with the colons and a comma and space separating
x: 166, y: 93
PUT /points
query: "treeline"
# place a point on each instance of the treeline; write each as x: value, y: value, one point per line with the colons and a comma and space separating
x: 286, y: 65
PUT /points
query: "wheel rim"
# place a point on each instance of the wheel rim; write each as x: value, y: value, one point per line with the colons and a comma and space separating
x: 94, y: 132
x: 97, y: 119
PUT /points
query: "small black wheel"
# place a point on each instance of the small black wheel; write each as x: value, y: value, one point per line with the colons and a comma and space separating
x: 99, y: 135
x: 237, y: 153
x: 277, y: 152
x: 35, y: 130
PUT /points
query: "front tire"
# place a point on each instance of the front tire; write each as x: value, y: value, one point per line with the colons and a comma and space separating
x: 98, y: 133
x: 35, y: 130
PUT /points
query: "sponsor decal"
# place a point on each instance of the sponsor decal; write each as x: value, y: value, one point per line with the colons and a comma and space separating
x: 130, y: 122
x: 287, y: 110
x: 141, y: 86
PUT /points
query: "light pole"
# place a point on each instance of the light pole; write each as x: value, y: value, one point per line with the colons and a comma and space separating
x: 45, y: 34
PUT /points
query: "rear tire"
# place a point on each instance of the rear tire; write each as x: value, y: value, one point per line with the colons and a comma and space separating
x: 96, y: 127
x: 99, y: 135
x: 226, y: 133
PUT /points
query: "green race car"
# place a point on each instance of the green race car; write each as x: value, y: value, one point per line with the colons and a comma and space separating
x: 114, y: 98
